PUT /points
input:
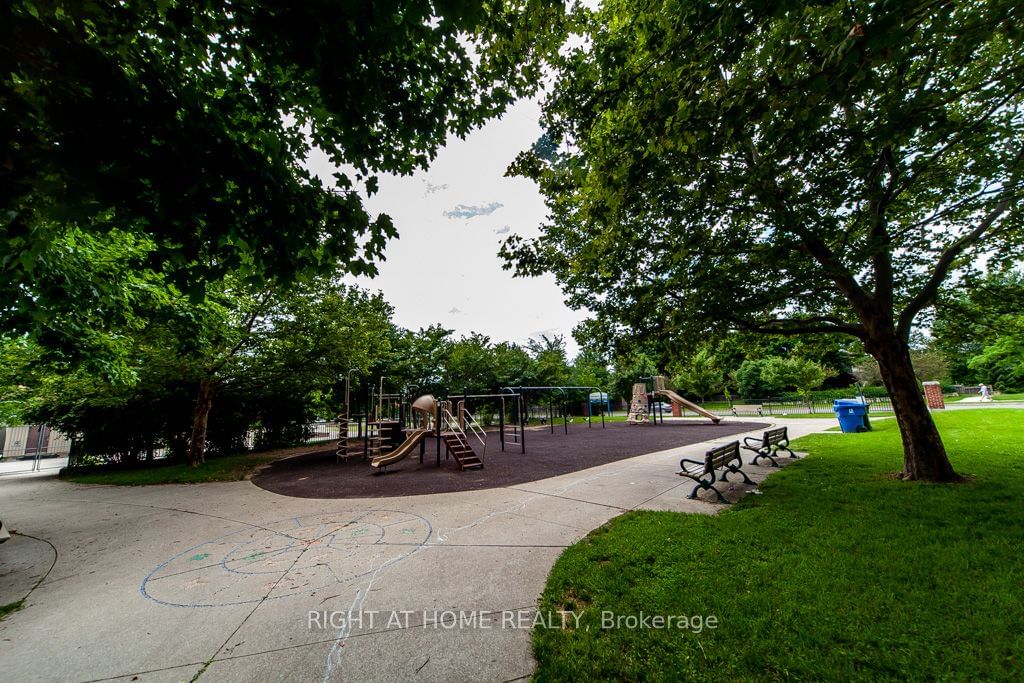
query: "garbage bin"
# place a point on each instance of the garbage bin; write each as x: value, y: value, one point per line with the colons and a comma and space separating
x: 852, y: 415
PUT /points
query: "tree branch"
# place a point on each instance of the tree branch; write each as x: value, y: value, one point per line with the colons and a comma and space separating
x: 797, y: 326
x: 930, y: 290
x: 257, y: 311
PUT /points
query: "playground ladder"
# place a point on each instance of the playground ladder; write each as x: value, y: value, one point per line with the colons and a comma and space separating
x: 373, y: 440
x: 456, y: 442
x: 512, y: 433
x: 349, y: 446
x: 342, y: 452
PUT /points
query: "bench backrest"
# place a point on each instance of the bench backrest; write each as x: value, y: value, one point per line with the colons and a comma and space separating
x: 719, y: 456
x: 775, y: 436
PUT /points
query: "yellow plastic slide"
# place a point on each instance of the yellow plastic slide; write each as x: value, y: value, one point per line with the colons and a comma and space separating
x: 676, y: 398
x: 412, y: 440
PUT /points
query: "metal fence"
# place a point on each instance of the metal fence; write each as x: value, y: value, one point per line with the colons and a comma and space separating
x: 316, y: 432
x: 782, y: 407
x: 323, y: 431
x: 26, y: 462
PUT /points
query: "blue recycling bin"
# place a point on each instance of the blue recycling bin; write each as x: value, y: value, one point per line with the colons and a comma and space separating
x: 852, y: 415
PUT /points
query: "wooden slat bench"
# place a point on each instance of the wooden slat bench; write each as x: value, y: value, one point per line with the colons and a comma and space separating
x: 725, y: 458
x: 769, y: 445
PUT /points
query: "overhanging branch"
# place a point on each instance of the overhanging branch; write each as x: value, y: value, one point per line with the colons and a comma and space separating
x: 797, y: 326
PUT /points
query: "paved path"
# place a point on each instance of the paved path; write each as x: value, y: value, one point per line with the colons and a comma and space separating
x: 217, y: 581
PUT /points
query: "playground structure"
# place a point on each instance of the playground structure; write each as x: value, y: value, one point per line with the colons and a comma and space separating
x: 386, y: 433
x: 424, y: 408
x: 387, y: 429
x: 641, y: 407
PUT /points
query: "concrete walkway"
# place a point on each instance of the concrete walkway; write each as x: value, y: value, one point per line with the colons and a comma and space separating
x: 231, y: 582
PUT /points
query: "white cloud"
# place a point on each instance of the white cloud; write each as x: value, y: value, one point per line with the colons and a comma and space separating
x: 503, y: 230
x: 470, y: 211
x: 432, y: 188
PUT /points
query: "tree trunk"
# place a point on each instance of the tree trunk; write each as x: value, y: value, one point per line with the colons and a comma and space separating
x: 200, y: 418
x: 924, y: 456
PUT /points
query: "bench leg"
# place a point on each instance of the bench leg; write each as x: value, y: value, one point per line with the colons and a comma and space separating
x: 764, y: 454
x: 705, y: 485
x: 736, y: 470
x: 786, y: 448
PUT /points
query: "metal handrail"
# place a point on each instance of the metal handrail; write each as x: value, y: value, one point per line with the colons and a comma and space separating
x: 448, y: 421
x: 452, y: 425
x: 477, y: 431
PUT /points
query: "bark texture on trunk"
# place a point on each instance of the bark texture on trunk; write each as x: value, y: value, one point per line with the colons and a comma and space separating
x: 924, y: 455
x: 200, y: 418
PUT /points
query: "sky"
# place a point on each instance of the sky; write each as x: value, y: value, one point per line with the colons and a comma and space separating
x: 451, y: 219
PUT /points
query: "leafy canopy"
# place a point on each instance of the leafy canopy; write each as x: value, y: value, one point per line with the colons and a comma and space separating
x: 778, y: 166
x: 189, y: 124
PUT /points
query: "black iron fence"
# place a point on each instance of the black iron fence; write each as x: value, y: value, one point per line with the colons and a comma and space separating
x: 322, y: 431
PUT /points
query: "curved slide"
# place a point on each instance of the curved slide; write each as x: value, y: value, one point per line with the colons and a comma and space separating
x: 676, y: 398
x: 413, y: 440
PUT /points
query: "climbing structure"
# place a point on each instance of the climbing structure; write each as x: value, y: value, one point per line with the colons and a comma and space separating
x: 661, y: 389
x: 370, y: 432
x: 424, y: 410
x: 342, y: 453
x: 638, y: 406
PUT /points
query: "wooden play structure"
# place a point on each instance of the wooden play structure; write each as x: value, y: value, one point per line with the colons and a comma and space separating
x: 660, y: 389
x: 640, y: 408
x: 638, y: 413
x: 424, y: 409
x: 386, y: 429
x: 386, y: 433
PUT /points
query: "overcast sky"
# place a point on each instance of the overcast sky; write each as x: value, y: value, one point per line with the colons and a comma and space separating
x: 451, y: 219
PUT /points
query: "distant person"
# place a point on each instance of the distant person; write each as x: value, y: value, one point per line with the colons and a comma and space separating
x: 983, y: 390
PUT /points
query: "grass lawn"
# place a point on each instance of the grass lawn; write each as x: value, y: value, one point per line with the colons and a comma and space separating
x: 836, y: 572
x: 1008, y: 397
x: 229, y: 468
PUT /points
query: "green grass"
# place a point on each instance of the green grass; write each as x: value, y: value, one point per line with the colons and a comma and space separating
x: 11, y: 608
x: 837, y: 572
x: 229, y: 468
x: 1008, y: 397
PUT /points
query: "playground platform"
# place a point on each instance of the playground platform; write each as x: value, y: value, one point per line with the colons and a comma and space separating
x: 318, y: 475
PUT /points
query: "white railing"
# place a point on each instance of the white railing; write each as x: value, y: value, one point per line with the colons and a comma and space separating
x: 450, y: 424
x: 476, y: 430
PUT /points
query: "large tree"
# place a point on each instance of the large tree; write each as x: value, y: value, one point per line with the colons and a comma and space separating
x: 783, y: 167
x: 189, y: 125
x: 240, y: 360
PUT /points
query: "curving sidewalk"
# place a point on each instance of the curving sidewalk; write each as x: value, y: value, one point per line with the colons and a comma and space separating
x: 231, y: 582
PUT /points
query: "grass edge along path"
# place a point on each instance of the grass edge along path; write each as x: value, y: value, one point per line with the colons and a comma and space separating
x: 837, y: 572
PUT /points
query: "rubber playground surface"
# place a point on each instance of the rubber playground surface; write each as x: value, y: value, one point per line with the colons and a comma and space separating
x: 318, y: 475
